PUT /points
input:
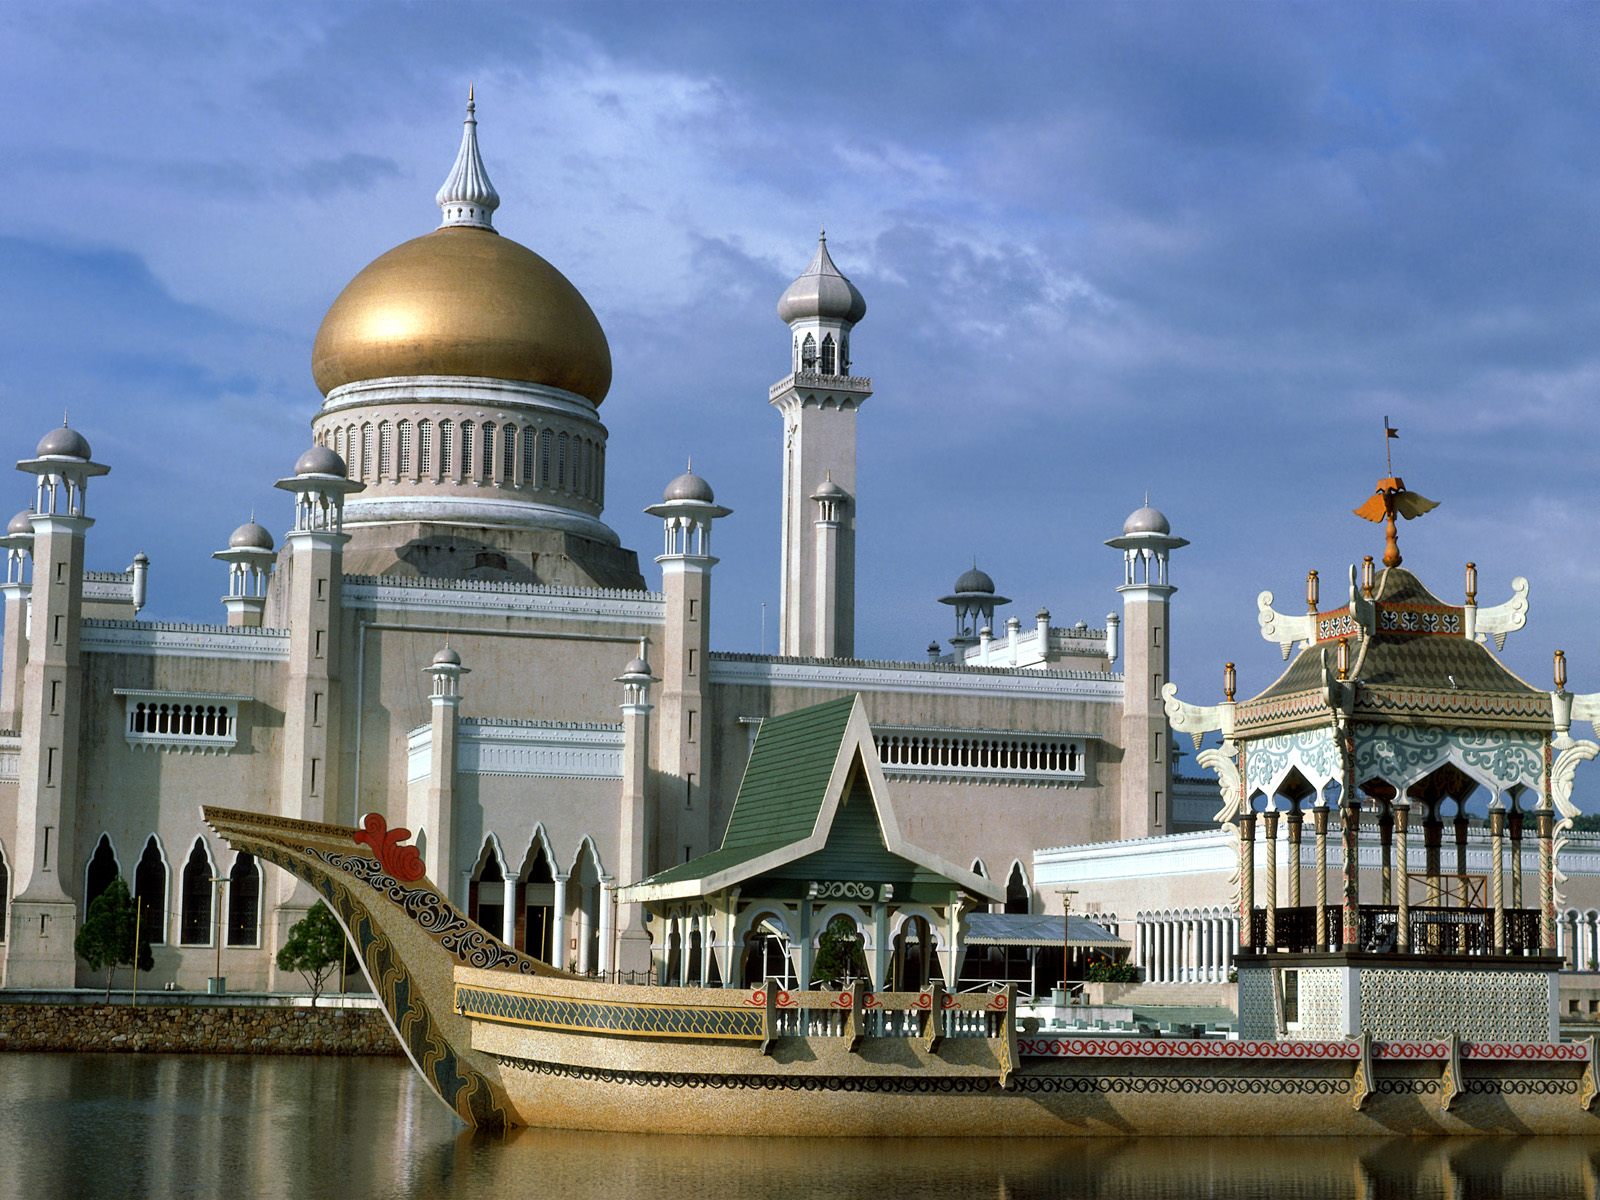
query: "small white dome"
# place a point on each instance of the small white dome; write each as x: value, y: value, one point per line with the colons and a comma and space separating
x: 974, y: 580
x: 689, y: 486
x: 20, y: 525
x: 447, y: 657
x: 319, y: 460
x: 250, y: 536
x: 63, y: 442
x: 1146, y: 520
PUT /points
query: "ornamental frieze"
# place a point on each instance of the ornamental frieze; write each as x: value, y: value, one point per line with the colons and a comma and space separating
x: 1403, y: 754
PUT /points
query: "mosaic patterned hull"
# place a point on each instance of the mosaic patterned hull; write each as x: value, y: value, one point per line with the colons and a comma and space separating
x: 507, y: 1040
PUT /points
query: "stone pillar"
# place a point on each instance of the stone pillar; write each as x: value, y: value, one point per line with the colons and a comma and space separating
x: 1320, y: 816
x: 1547, y: 880
x: 1461, y: 855
x: 1296, y: 828
x: 1247, y: 878
x: 434, y: 816
x: 1385, y: 850
x: 1497, y: 850
x: 1432, y: 852
x: 44, y: 916
x: 830, y: 499
x: 13, y: 643
x: 1270, y: 818
x: 1352, y: 870
x: 1514, y: 828
x: 558, y: 917
x: 638, y: 805
x: 1402, y: 917
x: 682, y: 743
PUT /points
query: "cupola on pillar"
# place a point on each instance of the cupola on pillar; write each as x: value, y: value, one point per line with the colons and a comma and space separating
x: 687, y: 509
x: 638, y: 806
x: 250, y: 557
x: 310, y: 594
x: 974, y: 600
x: 1146, y: 544
x: 433, y: 814
x: 39, y: 950
x: 818, y: 400
x: 17, y: 550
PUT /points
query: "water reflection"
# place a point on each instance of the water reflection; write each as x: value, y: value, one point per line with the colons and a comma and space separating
x: 81, y: 1126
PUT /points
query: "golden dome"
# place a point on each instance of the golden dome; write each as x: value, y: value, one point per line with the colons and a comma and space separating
x: 463, y: 300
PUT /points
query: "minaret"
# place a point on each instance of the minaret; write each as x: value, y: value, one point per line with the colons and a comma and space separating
x: 633, y: 858
x: 313, y: 566
x: 39, y: 952
x: 974, y: 599
x: 434, y: 818
x: 1146, y: 542
x: 250, y: 558
x: 687, y: 509
x: 818, y: 400
x: 17, y: 547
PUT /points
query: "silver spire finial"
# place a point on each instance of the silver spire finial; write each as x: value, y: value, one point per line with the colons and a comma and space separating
x: 467, y: 197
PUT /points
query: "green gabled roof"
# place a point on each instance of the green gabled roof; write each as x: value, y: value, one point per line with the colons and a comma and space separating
x: 784, y: 786
x: 786, y: 780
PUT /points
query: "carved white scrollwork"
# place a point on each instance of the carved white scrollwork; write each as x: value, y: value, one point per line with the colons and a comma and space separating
x: 1563, y: 772
x: 1224, y: 761
x: 1194, y: 719
x: 1501, y: 619
x: 1280, y: 627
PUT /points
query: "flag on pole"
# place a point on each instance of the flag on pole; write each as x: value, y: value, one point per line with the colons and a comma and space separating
x: 1390, y: 430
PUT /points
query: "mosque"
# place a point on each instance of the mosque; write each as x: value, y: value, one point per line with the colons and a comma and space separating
x: 446, y: 632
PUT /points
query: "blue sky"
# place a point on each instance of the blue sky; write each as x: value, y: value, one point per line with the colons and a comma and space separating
x: 1199, y: 249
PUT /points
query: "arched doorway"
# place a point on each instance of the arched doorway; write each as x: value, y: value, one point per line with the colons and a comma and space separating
x: 536, y: 918
x: 486, y: 891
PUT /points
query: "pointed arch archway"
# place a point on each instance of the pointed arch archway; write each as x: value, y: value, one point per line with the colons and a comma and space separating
x: 196, y: 895
x: 101, y: 869
x: 150, y: 891
x: 536, y: 929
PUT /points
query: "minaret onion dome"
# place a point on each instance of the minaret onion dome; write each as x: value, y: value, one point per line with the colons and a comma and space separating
x: 974, y: 600
x: 821, y: 307
x: 467, y: 197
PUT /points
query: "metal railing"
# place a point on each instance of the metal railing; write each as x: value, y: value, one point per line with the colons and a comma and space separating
x: 1430, y: 929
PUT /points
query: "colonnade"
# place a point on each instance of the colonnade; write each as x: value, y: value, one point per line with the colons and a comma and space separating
x: 1186, y: 945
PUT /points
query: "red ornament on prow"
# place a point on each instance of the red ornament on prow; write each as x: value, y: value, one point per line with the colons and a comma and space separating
x: 403, y: 862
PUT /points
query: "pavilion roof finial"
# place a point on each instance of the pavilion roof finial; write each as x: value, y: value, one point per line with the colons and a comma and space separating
x: 467, y: 198
x: 1390, y: 498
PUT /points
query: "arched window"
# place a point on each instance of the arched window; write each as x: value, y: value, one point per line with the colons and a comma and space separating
x: 808, y: 354
x: 561, y: 463
x: 1017, y: 898
x: 366, y: 453
x: 244, y: 901
x: 150, y: 891
x: 486, y: 893
x: 546, y: 441
x: 425, y: 449
x: 829, y: 355
x: 385, y: 448
x: 194, y: 916
x: 508, y: 453
x: 844, y: 354
x: 488, y: 450
x: 447, y: 433
x: 5, y: 897
x: 578, y: 448
x: 466, y: 449
x: 403, y: 463
x: 528, y: 455
x: 101, y: 871
x: 599, y: 472
x: 338, y: 442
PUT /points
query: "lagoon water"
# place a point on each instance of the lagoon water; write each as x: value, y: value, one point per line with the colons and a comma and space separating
x: 78, y: 1127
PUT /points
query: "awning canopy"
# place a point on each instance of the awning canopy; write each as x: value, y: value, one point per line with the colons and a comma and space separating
x: 1033, y: 929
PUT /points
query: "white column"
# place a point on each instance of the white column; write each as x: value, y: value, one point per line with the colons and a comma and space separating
x: 585, y: 929
x: 558, y: 917
x: 605, y: 926
x: 1158, y: 960
x: 508, y: 909
x: 1167, y: 941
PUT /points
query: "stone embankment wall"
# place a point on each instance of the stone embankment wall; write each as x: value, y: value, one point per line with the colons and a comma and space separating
x: 213, y: 1029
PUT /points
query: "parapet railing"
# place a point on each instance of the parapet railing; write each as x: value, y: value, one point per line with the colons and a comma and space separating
x: 1431, y: 929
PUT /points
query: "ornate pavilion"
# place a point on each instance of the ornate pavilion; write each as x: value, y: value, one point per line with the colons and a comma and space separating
x: 1394, y: 713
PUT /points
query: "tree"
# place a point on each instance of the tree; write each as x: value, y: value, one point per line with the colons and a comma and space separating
x: 839, y: 952
x: 315, y: 947
x: 106, y: 940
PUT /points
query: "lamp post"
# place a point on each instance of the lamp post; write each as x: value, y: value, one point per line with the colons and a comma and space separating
x: 1066, y: 937
x: 217, y: 985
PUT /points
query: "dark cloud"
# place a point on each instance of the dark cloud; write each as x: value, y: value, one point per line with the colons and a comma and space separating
x: 1200, y: 248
